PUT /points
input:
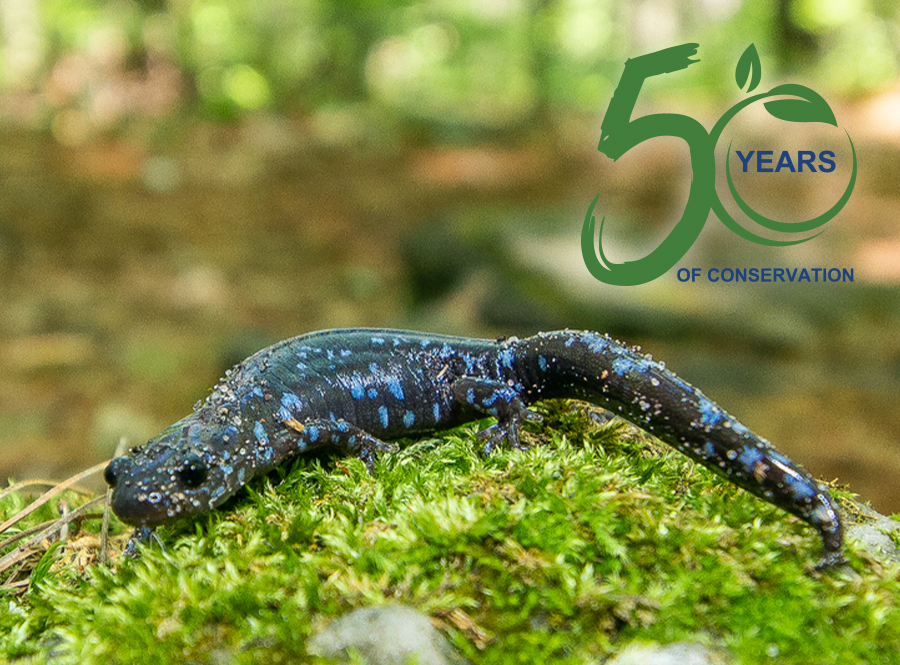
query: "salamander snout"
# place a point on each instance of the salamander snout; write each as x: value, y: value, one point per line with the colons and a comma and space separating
x: 149, y: 490
x: 112, y: 472
x: 179, y: 473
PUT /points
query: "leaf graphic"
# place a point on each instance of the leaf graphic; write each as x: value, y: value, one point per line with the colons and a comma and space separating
x: 811, y: 107
x: 748, y: 63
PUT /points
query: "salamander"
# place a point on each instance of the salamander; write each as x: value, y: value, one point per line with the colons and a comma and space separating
x: 355, y: 388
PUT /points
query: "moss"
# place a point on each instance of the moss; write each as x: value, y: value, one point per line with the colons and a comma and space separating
x: 560, y: 554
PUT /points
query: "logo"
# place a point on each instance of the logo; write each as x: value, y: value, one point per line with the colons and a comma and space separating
x: 619, y: 133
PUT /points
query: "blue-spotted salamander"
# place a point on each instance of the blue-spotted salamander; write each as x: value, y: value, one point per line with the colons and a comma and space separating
x: 354, y: 388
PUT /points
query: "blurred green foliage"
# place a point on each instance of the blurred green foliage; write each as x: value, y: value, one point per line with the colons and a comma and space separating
x: 485, y: 63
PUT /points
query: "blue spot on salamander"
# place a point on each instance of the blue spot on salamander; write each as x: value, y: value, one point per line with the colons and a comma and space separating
x: 291, y: 402
x: 357, y: 389
x: 409, y: 419
x: 596, y: 343
x: 264, y: 454
x: 542, y: 363
x: 383, y: 415
x: 395, y: 387
x: 436, y: 410
x: 710, y: 414
x: 799, y: 487
x: 623, y: 365
x: 750, y: 457
x: 738, y: 428
x: 260, y: 433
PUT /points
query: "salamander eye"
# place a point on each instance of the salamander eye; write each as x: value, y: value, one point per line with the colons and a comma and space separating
x: 193, y: 471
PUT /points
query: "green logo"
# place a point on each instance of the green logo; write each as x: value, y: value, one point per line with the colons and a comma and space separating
x: 619, y: 134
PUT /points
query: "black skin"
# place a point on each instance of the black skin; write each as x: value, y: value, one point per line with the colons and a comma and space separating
x: 353, y: 389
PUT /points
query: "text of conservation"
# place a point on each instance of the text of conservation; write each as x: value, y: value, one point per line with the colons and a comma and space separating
x: 787, y: 275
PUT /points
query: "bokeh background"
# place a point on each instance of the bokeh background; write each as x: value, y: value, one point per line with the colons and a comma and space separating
x: 183, y: 182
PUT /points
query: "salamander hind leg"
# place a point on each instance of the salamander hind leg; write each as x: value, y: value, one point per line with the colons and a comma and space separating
x: 499, y: 400
x: 344, y: 436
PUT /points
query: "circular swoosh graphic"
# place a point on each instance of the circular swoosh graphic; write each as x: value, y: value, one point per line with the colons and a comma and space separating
x: 775, y: 225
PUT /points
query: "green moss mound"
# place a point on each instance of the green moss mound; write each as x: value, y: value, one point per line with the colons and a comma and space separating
x: 563, y: 553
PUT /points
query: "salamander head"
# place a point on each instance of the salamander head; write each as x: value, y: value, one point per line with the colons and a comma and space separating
x: 184, y: 471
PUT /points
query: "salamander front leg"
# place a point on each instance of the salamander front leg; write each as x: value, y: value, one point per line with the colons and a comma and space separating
x: 500, y: 401
x: 342, y: 435
x: 140, y: 536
